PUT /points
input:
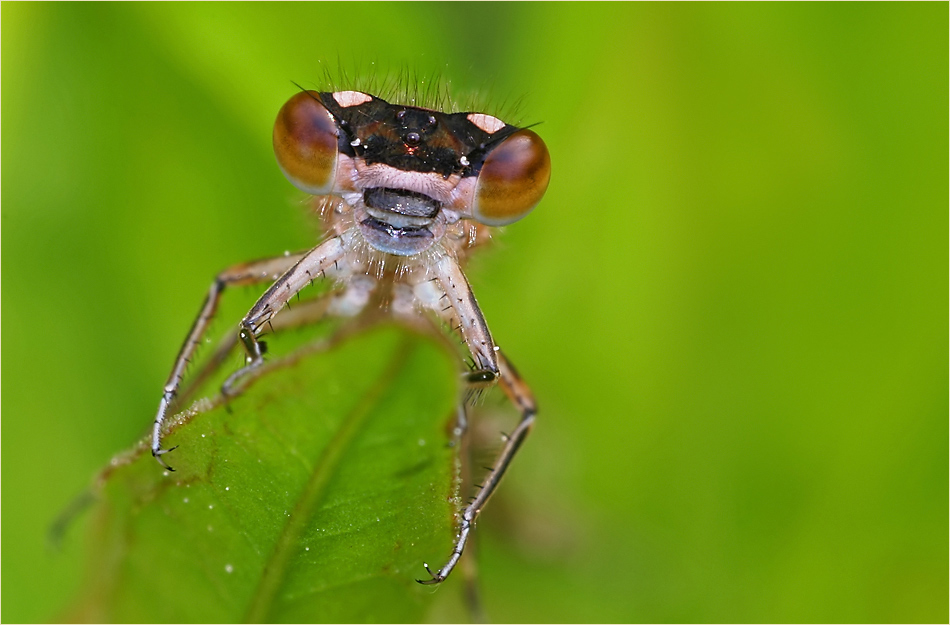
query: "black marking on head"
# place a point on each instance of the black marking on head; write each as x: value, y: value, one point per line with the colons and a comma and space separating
x: 411, y: 138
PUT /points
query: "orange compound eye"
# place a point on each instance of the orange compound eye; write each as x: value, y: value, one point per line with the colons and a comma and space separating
x: 512, y: 180
x: 305, y: 142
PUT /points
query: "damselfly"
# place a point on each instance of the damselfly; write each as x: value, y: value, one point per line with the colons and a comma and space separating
x: 404, y: 193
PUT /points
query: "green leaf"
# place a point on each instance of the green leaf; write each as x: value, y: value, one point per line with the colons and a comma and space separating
x: 317, y: 499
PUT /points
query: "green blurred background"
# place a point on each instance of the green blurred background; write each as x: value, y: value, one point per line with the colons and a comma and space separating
x: 732, y: 303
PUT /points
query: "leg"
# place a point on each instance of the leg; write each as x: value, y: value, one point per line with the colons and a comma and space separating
x: 308, y: 312
x: 520, y: 395
x: 468, y: 562
x: 458, y: 307
x: 248, y: 273
x: 313, y: 265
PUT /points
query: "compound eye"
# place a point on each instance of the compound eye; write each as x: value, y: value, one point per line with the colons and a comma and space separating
x: 512, y: 180
x: 305, y: 142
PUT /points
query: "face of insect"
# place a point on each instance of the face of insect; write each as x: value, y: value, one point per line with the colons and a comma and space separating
x: 408, y: 173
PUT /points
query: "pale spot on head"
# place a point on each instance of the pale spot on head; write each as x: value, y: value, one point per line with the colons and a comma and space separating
x: 351, y: 98
x: 489, y: 124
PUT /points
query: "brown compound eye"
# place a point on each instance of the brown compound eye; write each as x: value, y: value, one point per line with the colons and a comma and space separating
x: 512, y: 180
x: 305, y: 142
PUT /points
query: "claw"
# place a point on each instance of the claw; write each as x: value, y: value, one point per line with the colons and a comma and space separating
x: 437, y: 578
x: 158, y: 453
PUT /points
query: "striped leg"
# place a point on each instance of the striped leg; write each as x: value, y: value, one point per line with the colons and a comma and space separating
x: 521, y: 396
x: 253, y: 272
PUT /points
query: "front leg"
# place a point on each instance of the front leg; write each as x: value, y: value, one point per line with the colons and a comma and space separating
x: 459, y: 308
x: 308, y: 312
x: 490, y: 366
x: 314, y: 265
x: 253, y: 272
x: 520, y: 395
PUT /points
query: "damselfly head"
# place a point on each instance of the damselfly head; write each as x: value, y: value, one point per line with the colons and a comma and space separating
x: 408, y: 170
